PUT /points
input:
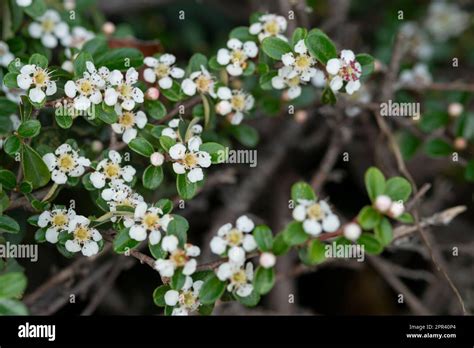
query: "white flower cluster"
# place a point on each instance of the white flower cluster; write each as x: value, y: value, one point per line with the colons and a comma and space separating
x: 316, y: 216
x: 118, y: 193
x: 186, y: 300
x: 110, y: 169
x: 385, y: 205
x: 65, y: 162
x: 235, y: 242
x: 49, y: 28
x: 177, y: 257
x: 446, y: 20
x: 234, y: 104
x: 416, y: 77
x: 82, y: 237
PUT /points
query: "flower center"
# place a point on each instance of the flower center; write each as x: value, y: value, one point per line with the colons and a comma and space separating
x: 162, y: 70
x: 85, y: 87
x: 303, y: 62
x: 238, y: 57
x: 203, y: 83
x: 127, y: 119
x: 234, y: 237
x: 59, y: 219
x: 238, y: 102
x: 272, y: 27
x: 66, y: 162
x: 350, y: 72
x: 125, y: 90
x: 112, y: 170
x: 178, y: 257
x: 48, y: 25
x: 190, y: 160
x: 294, y: 81
x: 239, y: 277
x: 188, y: 299
x: 82, y: 234
x: 150, y: 220
x: 40, y: 77
x: 315, y: 212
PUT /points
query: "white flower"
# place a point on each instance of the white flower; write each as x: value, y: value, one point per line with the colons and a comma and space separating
x: 235, y: 57
x: 269, y: 25
x: 177, y: 257
x: 345, y: 69
x: 56, y: 220
x: 446, y: 20
x: 85, y: 238
x: 64, y: 162
x: 123, y: 91
x: 162, y: 69
x: 288, y: 78
x: 301, y: 61
x: 128, y: 123
x: 157, y: 159
x: 49, y: 28
x: 120, y: 194
x: 189, y: 160
x: 109, y: 169
x: 396, y: 209
x: 319, y: 79
x: 199, y: 81
x: 240, y: 279
x: 186, y: 300
x: 235, y: 241
x: 416, y: 77
x: 234, y: 103
x: 24, y: 3
x: 267, y: 260
x: 172, y: 130
x: 5, y: 55
x: 86, y: 90
x: 147, y: 220
x: 37, y: 81
x: 78, y: 37
x: 352, y: 231
x: 382, y: 203
x: 316, y: 217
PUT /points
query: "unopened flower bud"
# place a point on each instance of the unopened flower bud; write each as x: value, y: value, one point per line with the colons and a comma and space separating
x: 108, y: 28
x: 267, y: 260
x: 157, y: 159
x: 97, y: 146
x: 352, y: 231
x: 152, y: 93
x: 460, y: 143
x: 455, y: 109
x: 301, y: 116
x: 396, y: 209
x: 382, y: 203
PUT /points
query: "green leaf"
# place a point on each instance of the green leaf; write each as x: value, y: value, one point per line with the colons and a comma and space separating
x: 178, y: 279
x: 186, y: 189
x: 156, y: 251
x: 328, y: 96
x: 196, y: 61
x: 302, y: 190
x: 178, y: 227
x: 39, y: 60
x: 155, y: 108
x: 211, y: 290
x: 409, y: 144
x: 298, y: 34
x: 265, y: 80
x: 367, y: 63
x: 316, y: 252
x: 383, y: 232
x: 63, y: 120
x: 246, y: 135
x: 120, y: 58
x: 12, y: 307
x: 406, y: 218
x: 7, y: 107
x: 374, y: 183
x: 26, y: 108
x: 264, y: 280
x: 96, y: 46
x: 159, y: 295
x: 12, y: 285
x: 280, y: 246
x: 217, y: 151
x: 263, y: 237
x: 167, y: 142
x: 172, y: 94
x: 469, y: 172
x: 249, y: 301
x: 320, y: 46
x: 368, y: 218
x: 12, y: 145
x: 242, y: 33
x: 80, y: 63
x: 430, y: 121
x: 34, y: 169
x: 9, y: 225
x: 438, y: 148
x: 398, y: 189
x: 123, y: 243
x: 370, y: 243
x: 36, y: 9
x: 29, y: 129
x: 141, y: 146
x: 10, y: 80
x: 152, y: 177
x: 7, y: 179
x: 294, y: 233
x: 275, y: 47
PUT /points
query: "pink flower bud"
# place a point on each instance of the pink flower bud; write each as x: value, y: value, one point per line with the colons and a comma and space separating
x: 267, y: 260
x: 157, y: 159
x: 352, y: 231
x: 108, y: 28
x: 396, y: 209
x: 455, y: 109
x: 382, y: 203
x: 152, y: 93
